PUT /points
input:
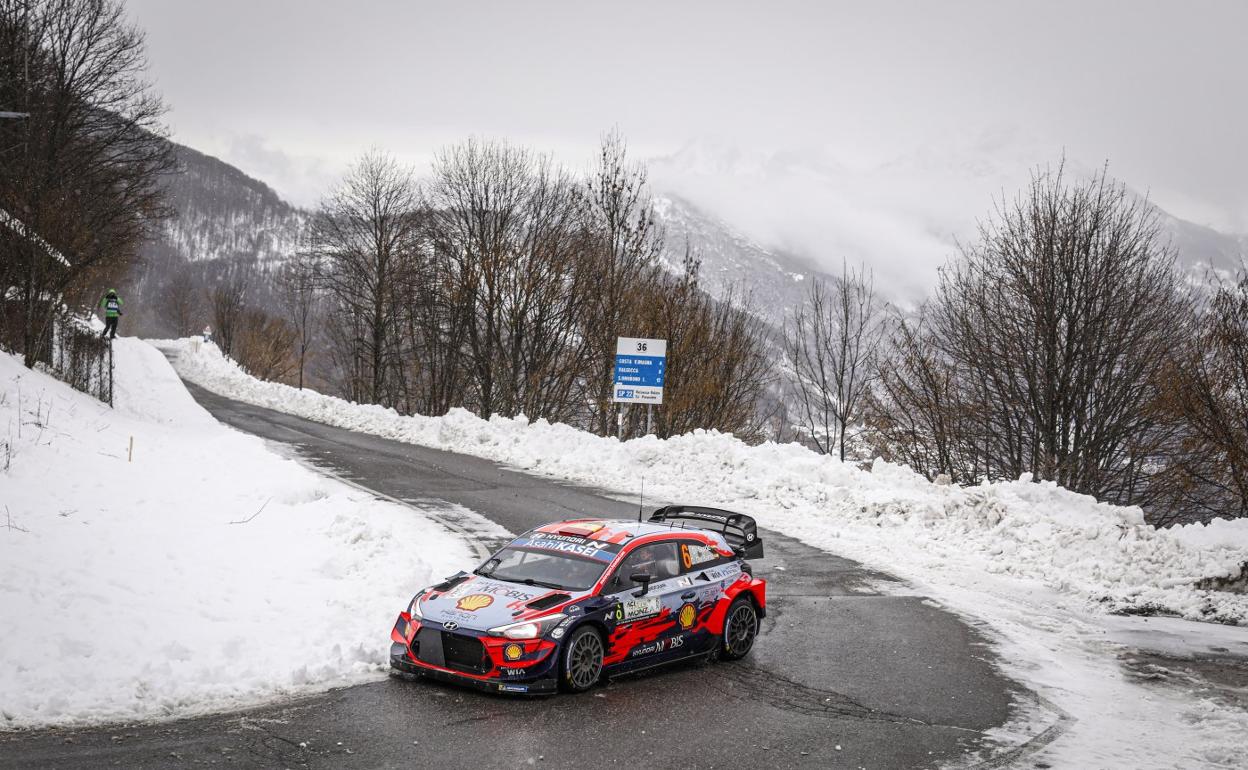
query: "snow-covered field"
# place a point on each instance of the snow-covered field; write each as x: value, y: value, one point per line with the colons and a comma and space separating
x: 1041, y: 565
x: 206, y: 572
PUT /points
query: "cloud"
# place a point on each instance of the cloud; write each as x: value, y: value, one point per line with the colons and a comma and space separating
x: 300, y: 179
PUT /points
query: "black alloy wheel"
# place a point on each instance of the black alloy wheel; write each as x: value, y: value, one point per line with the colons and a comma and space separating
x: 740, y: 629
x: 582, y: 660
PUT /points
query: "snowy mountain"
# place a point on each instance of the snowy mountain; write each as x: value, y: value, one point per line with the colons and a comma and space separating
x: 223, y: 214
x: 901, y: 216
x: 1201, y: 249
x: 770, y: 280
x: 219, y: 216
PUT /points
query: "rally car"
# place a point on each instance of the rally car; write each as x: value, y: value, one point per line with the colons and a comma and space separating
x: 566, y: 604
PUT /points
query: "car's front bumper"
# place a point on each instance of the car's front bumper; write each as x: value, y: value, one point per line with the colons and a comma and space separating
x: 401, y: 661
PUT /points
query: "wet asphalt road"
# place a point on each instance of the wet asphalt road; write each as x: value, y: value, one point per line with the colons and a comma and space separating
x: 844, y: 675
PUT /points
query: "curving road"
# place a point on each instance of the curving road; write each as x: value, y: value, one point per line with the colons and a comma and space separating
x: 851, y: 670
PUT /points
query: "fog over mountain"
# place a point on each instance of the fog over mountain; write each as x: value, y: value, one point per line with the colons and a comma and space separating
x: 763, y: 223
x: 903, y: 217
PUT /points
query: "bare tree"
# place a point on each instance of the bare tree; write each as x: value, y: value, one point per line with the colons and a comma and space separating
x: 831, y: 343
x: 628, y: 240
x: 365, y: 234
x: 297, y: 292
x: 228, y: 298
x: 479, y: 195
x: 262, y: 345
x: 507, y: 233
x: 1207, y: 389
x: 1049, y: 336
x: 546, y: 295
x: 914, y: 414
x: 78, y: 177
x: 181, y: 301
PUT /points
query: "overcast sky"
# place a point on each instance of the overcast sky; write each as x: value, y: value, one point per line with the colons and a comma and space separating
x: 291, y: 91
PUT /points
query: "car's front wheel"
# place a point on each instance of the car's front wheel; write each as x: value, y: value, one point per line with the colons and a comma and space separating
x: 582, y: 660
x: 740, y: 629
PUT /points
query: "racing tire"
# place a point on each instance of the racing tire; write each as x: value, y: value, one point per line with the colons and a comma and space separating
x: 740, y: 630
x: 581, y: 664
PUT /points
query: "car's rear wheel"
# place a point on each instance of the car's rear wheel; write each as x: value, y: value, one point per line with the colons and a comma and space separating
x: 582, y: 660
x: 740, y: 629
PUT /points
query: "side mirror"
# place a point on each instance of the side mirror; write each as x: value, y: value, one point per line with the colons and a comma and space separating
x: 644, y: 579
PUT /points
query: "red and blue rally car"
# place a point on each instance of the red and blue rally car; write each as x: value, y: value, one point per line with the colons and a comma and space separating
x: 567, y: 603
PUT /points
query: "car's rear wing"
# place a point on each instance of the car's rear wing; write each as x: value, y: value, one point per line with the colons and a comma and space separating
x: 738, y: 529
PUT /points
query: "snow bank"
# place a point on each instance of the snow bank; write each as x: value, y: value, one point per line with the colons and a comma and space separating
x: 890, y: 517
x: 130, y: 589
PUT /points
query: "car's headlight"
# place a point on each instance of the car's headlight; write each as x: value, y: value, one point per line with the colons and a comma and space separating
x: 413, y: 609
x: 528, y: 629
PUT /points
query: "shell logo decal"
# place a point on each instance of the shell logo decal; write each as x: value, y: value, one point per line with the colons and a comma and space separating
x: 474, y: 602
x: 688, y: 614
x: 513, y: 652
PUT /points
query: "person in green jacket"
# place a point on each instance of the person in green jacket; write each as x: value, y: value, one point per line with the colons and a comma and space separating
x: 111, y: 305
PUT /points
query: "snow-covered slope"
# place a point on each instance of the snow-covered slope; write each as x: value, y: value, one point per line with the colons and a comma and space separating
x: 206, y: 572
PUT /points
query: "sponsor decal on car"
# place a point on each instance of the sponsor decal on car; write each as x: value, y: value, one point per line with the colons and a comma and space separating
x: 688, y: 616
x: 658, y: 645
x: 513, y: 671
x: 699, y: 554
x: 724, y: 572
x: 512, y: 688
x: 513, y: 652
x: 582, y: 528
x: 635, y: 609
x: 495, y: 589
x: 474, y: 602
x: 581, y: 546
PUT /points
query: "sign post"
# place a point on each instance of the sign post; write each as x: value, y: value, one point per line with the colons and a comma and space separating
x: 640, y: 369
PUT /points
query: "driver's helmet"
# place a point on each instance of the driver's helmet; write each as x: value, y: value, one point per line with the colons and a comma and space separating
x: 644, y: 561
x: 649, y: 561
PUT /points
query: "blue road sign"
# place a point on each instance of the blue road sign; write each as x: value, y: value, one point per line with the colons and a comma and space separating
x: 640, y: 370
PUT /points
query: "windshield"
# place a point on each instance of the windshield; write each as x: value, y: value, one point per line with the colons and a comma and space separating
x: 550, y: 569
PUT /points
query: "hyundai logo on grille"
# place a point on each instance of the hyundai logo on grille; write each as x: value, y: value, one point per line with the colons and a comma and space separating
x: 450, y: 626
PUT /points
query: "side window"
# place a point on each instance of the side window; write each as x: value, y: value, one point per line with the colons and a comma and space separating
x: 695, y: 557
x: 659, y: 560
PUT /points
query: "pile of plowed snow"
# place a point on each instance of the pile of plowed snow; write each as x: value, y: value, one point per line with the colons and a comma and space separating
x: 205, y: 572
x: 1028, y: 533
